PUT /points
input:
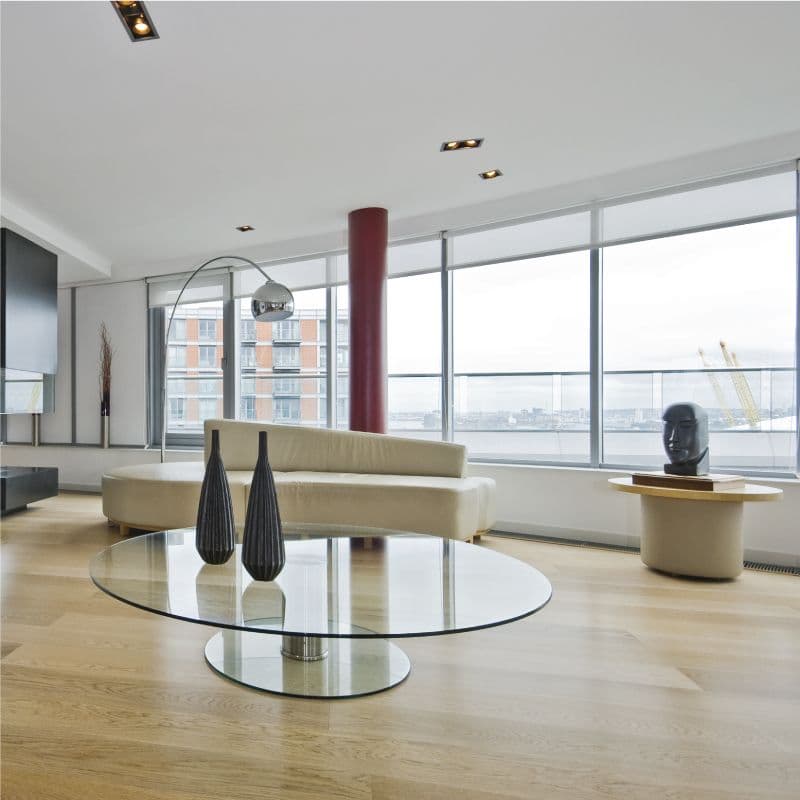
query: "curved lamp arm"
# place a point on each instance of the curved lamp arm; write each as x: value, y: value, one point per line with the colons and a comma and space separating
x: 169, y: 328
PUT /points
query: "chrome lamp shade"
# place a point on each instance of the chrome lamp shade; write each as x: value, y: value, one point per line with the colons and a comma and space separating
x: 272, y: 302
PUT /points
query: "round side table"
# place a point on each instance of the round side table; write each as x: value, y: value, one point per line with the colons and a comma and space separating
x: 694, y: 532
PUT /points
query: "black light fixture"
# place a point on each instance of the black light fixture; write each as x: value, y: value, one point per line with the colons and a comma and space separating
x: 460, y: 144
x: 136, y: 19
x: 489, y: 174
x: 245, y: 228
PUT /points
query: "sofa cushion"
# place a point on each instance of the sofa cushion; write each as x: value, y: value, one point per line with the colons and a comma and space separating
x: 424, y: 504
x: 165, y: 495
x: 293, y: 447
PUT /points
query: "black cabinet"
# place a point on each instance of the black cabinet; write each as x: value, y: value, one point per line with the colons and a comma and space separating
x: 22, y: 485
x: 28, y: 324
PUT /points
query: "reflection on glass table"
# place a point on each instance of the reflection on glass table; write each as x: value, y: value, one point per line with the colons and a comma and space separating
x: 332, y: 608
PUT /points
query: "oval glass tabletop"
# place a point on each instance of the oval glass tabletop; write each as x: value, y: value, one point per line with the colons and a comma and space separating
x: 335, y: 584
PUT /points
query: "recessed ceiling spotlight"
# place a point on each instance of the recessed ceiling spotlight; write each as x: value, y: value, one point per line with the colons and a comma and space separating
x: 492, y: 173
x: 136, y: 19
x: 245, y: 228
x: 460, y: 144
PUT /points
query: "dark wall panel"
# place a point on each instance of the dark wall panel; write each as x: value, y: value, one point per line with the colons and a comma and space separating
x: 29, y: 325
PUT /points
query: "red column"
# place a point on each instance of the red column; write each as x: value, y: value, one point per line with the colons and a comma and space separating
x: 368, y: 230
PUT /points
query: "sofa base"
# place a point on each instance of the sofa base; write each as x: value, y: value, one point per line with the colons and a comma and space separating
x: 368, y: 542
x: 126, y: 527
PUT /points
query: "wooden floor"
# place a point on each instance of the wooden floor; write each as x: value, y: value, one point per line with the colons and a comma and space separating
x: 630, y: 684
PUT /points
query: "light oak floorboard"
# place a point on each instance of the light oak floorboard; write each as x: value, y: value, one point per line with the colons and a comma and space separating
x: 629, y: 684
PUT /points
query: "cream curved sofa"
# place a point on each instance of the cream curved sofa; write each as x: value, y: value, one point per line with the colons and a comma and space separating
x: 322, y: 476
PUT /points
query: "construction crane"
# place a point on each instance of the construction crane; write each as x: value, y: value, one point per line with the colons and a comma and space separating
x: 742, y: 388
x: 715, y: 385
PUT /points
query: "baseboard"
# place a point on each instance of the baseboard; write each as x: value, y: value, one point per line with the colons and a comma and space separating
x: 771, y: 557
x: 607, y: 538
x: 87, y: 488
x: 568, y: 534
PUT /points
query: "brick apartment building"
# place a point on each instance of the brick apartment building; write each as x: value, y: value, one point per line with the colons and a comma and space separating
x: 281, y: 370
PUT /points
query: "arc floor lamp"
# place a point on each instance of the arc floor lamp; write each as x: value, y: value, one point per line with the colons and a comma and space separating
x: 271, y: 302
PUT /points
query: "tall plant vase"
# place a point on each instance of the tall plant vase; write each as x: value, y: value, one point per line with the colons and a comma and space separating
x: 215, y: 537
x: 263, y: 552
x: 105, y: 431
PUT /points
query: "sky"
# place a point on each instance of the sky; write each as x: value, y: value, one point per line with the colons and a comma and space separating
x: 663, y: 300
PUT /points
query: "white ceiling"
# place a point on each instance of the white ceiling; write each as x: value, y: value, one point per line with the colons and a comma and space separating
x: 134, y: 159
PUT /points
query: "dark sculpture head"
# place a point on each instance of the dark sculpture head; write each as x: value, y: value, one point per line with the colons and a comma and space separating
x: 686, y: 439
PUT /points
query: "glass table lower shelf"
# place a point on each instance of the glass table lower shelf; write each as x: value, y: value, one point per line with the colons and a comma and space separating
x: 322, y: 627
x: 307, y: 666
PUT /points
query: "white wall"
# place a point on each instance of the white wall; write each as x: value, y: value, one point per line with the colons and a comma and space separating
x: 81, y: 468
x: 573, y: 503
x: 18, y: 427
x: 57, y: 427
x: 123, y: 307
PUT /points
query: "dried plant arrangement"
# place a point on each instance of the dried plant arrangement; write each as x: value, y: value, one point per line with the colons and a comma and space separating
x: 106, y: 355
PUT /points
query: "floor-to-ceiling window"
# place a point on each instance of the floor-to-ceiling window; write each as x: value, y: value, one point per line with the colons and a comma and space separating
x: 414, y: 340
x: 341, y: 338
x: 521, y: 359
x: 558, y: 339
x: 414, y: 324
x: 707, y: 317
x: 699, y: 303
x: 282, y: 364
x: 194, y: 367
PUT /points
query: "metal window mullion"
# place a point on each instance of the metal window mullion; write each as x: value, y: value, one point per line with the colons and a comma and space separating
x: 230, y: 352
x: 447, y: 341
x: 595, y: 347
x: 797, y: 317
x: 73, y: 364
x: 331, y: 368
x: 155, y: 363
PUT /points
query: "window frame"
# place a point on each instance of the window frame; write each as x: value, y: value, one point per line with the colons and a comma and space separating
x: 251, y: 361
x: 176, y: 348
x: 291, y: 402
x: 203, y: 322
x: 180, y: 402
x: 247, y: 399
x: 292, y: 349
x: 245, y: 327
x: 202, y: 349
x: 205, y: 401
x: 178, y: 332
x: 286, y: 331
x: 329, y: 334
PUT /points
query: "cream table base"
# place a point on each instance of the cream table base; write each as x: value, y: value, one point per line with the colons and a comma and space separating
x: 685, y: 537
x: 693, y: 532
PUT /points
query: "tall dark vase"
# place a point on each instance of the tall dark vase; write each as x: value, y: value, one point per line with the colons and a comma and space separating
x: 263, y: 553
x: 216, y: 535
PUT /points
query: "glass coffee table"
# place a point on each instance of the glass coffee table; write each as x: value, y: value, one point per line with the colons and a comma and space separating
x: 321, y: 629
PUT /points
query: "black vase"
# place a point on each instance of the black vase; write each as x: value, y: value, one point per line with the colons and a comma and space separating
x: 216, y: 535
x: 263, y: 554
